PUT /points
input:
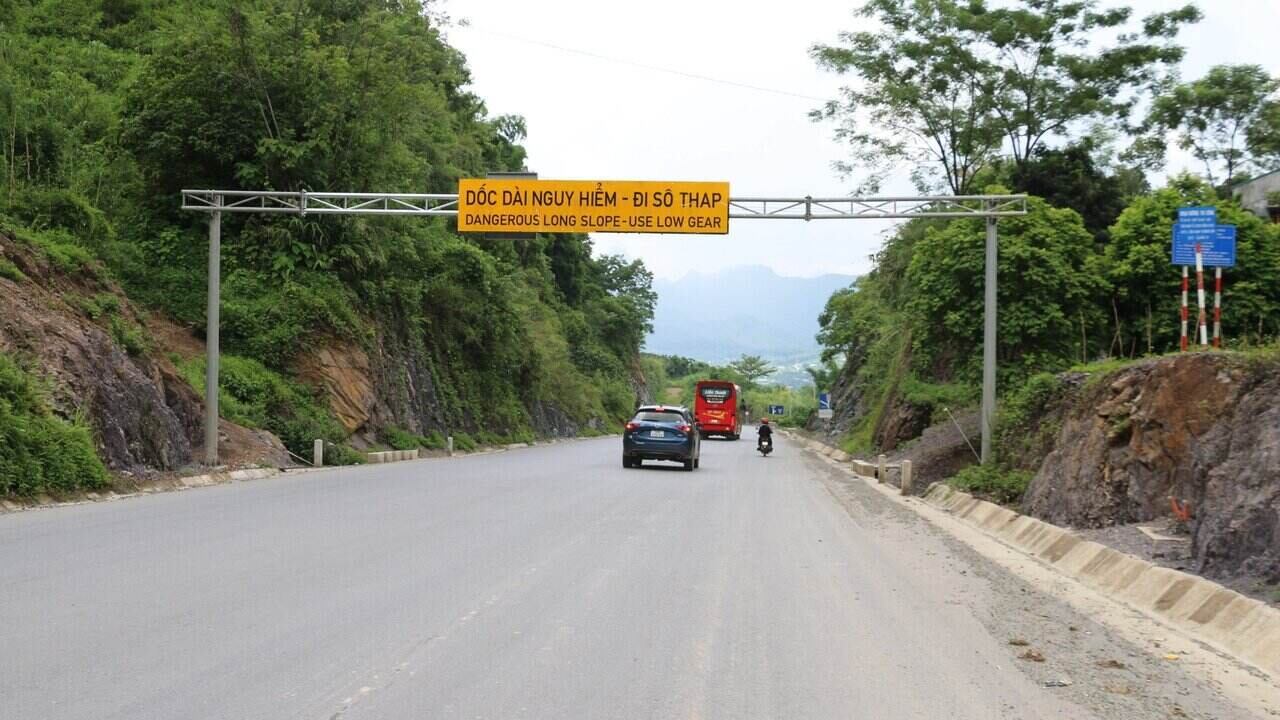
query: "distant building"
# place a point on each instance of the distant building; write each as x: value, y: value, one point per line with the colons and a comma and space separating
x: 1253, y: 195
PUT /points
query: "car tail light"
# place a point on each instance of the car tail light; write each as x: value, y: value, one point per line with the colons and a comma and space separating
x: 632, y: 426
x: 683, y: 428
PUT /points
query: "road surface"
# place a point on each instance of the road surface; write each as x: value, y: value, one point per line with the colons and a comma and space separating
x: 546, y: 582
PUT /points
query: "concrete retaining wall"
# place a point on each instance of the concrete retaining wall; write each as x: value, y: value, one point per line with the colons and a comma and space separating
x: 1246, y: 628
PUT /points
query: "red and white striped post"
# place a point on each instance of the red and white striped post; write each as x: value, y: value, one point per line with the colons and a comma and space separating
x: 1185, y: 283
x: 1217, y: 307
x: 1201, y: 323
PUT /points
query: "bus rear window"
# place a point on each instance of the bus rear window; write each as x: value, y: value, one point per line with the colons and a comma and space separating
x: 715, y: 394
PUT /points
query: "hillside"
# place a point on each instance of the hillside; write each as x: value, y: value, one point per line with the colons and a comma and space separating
x: 751, y: 310
x: 363, y: 332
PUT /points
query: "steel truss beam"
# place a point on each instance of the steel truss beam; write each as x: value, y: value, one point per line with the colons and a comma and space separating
x: 320, y: 203
x: 776, y: 208
x: 878, y: 208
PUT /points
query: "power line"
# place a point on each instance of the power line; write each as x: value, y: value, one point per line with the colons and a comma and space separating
x: 645, y: 66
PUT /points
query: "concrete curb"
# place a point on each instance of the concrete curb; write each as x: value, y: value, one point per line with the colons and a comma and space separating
x: 1241, y: 626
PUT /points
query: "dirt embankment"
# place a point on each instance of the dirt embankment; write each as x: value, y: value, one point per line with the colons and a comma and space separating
x: 1194, y: 435
x: 78, y: 332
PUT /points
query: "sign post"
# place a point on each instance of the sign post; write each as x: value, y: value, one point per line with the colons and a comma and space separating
x: 824, y: 406
x: 1198, y: 239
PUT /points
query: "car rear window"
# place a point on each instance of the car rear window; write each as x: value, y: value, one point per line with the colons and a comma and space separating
x: 662, y: 417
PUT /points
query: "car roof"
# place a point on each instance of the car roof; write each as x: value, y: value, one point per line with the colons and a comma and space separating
x: 662, y: 408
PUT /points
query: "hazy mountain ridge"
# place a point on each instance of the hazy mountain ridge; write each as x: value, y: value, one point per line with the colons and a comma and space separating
x: 719, y: 316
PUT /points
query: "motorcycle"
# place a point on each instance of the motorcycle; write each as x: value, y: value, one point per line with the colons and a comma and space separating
x: 765, y: 447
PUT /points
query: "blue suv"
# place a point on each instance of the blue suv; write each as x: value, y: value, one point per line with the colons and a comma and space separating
x: 661, y: 432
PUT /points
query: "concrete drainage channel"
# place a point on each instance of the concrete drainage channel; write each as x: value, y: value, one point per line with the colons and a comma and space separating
x: 1240, y: 627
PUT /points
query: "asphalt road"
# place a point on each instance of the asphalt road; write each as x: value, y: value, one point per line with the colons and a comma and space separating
x: 539, y: 583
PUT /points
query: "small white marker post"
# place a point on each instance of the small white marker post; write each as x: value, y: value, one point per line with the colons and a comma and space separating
x: 882, y: 468
x: 449, y: 444
x: 317, y: 453
x: 1217, y: 307
x: 1185, y: 283
x: 1204, y: 331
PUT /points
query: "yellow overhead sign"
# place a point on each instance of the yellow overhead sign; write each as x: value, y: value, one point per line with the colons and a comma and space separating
x: 511, y: 205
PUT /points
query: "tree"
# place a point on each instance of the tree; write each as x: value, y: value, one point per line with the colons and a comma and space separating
x: 752, y: 367
x: 1052, y: 71
x: 1226, y: 119
x: 824, y: 375
x: 1048, y: 296
x: 950, y: 84
x: 1068, y: 177
x: 920, y: 100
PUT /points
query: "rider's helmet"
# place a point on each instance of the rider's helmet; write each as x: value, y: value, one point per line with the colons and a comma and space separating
x: 764, y: 421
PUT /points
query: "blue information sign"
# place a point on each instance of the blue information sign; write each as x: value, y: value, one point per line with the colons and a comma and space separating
x: 777, y: 410
x: 824, y: 401
x: 1217, y: 245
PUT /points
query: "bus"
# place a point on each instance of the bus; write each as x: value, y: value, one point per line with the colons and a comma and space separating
x: 717, y: 406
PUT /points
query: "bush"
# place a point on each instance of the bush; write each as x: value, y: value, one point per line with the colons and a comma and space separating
x: 336, y: 454
x: 996, y: 484
x: 400, y: 439
x: 40, y: 452
x: 463, y: 442
x: 10, y: 271
x: 252, y: 395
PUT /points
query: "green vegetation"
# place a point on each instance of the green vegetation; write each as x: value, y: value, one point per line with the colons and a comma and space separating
x: 951, y: 86
x: 41, y: 453
x: 253, y: 395
x: 108, y: 111
x: 1085, y: 275
x: 993, y: 482
x: 10, y: 271
x: 1227, y: 119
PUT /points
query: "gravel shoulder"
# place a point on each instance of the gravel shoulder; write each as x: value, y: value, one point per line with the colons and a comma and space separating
x: 1065, y: 645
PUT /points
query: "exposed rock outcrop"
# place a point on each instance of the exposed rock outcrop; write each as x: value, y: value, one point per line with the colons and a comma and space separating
x: 342, y: 371
x: 1203, y: 429
x: 80, y: 334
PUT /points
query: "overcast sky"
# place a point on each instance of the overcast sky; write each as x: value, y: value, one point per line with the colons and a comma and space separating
x: 594, y: 114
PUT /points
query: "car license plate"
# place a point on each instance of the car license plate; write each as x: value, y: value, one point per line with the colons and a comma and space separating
x: 657, y: 433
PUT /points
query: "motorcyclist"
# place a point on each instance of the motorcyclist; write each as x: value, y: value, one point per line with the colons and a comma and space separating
x: 764, y: 432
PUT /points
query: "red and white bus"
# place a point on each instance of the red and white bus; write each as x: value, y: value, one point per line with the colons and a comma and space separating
x: 717, y: 406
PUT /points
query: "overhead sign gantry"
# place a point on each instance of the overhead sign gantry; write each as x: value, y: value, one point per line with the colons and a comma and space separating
x: 525, y: 205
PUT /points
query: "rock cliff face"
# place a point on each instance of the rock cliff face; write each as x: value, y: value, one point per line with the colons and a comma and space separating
x: 1202, y: 428
x: 393, y: 385
x: 81, y: 335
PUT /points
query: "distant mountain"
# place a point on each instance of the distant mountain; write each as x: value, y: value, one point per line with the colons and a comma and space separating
x: 719, y: 316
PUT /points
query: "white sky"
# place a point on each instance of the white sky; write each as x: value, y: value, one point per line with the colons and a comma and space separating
x: 592, y: 118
